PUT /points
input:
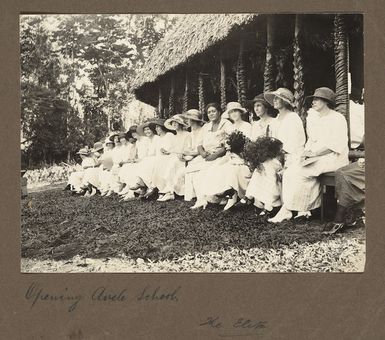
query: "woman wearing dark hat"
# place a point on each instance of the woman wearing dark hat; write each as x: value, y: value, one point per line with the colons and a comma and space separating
x: 140, y: 175
x: 262, y: 116
x: 326, y: 150
x: 169, y: 163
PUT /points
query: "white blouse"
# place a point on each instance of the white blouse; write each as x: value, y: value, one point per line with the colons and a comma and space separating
x: 213, y: 140
x: 243, y: 127
x: 181, y: 142
x: 165, y: 141
x: 289, y: 130
x: 259, y: 128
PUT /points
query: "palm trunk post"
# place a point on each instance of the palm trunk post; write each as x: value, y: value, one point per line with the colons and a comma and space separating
x: 160, y: 103
x: 186, y: 93
x: 269, y: 72
x: 241, y: 77
x: 201, y: 94
x: 299, y: 86
x: 223, y: 83
x: 341, y: 67
x: 171, y: 103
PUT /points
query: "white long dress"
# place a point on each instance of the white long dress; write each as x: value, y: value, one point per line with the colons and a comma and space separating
x: 91, y: 173
x: 144, y: 168
x: 301, y: 189
x: 76, y: 177
x: 234, y: 174
x: 196, y: 140
x: 205, y: 171
x: 166, y: 175
x: 105, y: 170
x: 129, y: 155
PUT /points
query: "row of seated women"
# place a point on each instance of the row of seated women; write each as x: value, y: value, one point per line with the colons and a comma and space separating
x: 161, y: 157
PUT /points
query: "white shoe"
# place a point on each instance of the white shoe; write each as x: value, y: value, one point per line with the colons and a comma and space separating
x: 87, y: 194
x: 306, y: 214
x: 282, y: 215
x: 199, y: 204
x: 230, y: 202
x: 93, y: 192
x: 128, y: 197
x: 109, y: 193
x: 102, y: 193
x: 160, y: 198
x: 124, y: 191
x: 167, y: 197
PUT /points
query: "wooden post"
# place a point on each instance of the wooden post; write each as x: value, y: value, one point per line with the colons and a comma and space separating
x: 269, y: 72
x: 171, y: 103
x: 201, y: 93
x: 299, y: 86
x: 186, y: 92
x: 241, y: 77
x: 223, y: 82
x: 341, y: 67
x: 160, y: 102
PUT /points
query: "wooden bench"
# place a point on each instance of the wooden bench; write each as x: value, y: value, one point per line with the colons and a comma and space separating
x: 326, y: 179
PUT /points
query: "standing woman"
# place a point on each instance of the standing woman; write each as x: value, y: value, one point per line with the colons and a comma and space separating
x: 169, y: 164
x: 195, y: 120
x: 326, y: 150
x: 211, y: 151
x: 262, y: 116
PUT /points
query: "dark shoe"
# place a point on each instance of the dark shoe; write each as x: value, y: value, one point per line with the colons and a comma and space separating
x: 67, y: 187
x: 332, y: 227
x: 142, y: 193
x: 150, y: 192
x: 228, y: 193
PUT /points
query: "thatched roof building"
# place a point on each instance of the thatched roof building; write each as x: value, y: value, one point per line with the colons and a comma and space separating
x: 225, y: 57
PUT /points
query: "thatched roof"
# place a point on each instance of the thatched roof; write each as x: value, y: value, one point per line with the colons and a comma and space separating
x: 191, y: 35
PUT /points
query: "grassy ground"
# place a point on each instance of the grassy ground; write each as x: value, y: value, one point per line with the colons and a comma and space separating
x: 168, y: 236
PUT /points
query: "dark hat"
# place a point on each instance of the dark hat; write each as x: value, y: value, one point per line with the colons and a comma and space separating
x: 324, y: 93
x: 176, y: 118
x: 260, y: 98
x: 112, y: 136
x: 130, y: 131
x: 84, y: 152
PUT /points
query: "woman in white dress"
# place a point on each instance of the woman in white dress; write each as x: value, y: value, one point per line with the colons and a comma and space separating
x: 169, y: 161
x: 326, y: 150
x: 211, y: 152
x: 264, y: 189
x: 105, y: 167
x: 231, y: 178
x: 195, y: 120
x: 90, y: 180
x: 75, y: 179
x: 141, y: 175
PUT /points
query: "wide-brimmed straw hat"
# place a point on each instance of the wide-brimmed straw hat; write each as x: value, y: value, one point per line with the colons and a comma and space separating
x: 285, y: 94
x: 324, y: 93
x: 113, y: 135
x: 84, y: 152
x: 193, y: 114
x: 231, y: 106
x: 260, y: 98
x: 175, y: 118
x: 97, y: 147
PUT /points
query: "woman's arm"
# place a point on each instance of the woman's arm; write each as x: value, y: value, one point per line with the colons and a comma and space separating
x: 202, y: 151
x: 221, y: 152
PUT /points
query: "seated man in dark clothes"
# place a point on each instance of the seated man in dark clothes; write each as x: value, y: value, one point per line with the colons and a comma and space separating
x: 350, y: 190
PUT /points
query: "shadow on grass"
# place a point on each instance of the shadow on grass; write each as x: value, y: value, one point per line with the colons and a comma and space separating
x: 56, y: 225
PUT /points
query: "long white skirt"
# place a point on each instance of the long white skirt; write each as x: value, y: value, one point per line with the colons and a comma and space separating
x: 205, y: 181
x: 168, y: 174
x: 301, y: 190
x: 91, y: 176
x: 126, y: 172
x: 104, y: 179
x: 76, y: 179
x: 234, y: 174
x: 115, y: 184
x: 264, y: 185
x: 142, y: 170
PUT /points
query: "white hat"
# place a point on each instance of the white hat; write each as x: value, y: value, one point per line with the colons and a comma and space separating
x: 231, y: 106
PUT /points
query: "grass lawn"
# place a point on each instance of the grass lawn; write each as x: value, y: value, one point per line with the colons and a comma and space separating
x: 97, y: 233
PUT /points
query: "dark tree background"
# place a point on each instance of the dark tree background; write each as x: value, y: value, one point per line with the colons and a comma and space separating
x: 75, y: 75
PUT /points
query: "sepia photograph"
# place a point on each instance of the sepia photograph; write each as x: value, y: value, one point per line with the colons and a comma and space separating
x: 192, y: 143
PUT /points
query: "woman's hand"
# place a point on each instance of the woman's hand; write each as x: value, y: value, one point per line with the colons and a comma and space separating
x: 308, y: 154
x: 211, y: 157
x: 181, y: 157
x: 361, y: 162
x: 164, y: 152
